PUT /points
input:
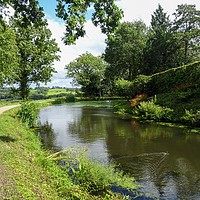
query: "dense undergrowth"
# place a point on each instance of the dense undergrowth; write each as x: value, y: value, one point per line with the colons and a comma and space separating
x: 27, y: 171
x: 167, y: 107
x: 168, y: 96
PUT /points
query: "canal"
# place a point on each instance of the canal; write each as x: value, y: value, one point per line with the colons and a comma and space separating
x: 165, y: 161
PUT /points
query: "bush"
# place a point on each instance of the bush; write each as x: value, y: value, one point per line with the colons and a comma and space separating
x: 123, y: 88
x: 130, y: 89
x: 148, y: 110
x: 175, y: 79
x: 191, y: 118
x: 122, y: 107
x: 28, y: 113
x: 70, y: 98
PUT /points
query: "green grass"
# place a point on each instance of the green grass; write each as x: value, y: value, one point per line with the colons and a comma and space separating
x: 57, y: 91
x: 27, y: 171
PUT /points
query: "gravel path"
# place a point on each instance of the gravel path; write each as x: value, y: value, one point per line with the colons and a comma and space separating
x: 4, y: 108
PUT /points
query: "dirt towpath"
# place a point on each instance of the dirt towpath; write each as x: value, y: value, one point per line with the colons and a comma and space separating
x: 4, y: 108
x: 4, y: 181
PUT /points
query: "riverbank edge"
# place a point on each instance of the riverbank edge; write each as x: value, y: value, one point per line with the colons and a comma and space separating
x: 25, y: 170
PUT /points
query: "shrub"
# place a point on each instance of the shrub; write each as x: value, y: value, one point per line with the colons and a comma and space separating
x: 130, y: 89
x: 59, y: 101
x: 123, y: 88
x: 122, y: 107
x: 28, y: 113
x: 191, y: 118
x: 138, y: 99
x: 150, y: 111
x: 175, y: 79
x: 70, y: 98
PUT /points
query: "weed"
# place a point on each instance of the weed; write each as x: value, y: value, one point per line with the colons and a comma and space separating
x: 28, y: 113
x: 96, y: 178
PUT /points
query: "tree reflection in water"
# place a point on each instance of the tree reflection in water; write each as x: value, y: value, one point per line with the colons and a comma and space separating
x: 47, y: 135
x: 164, y: 160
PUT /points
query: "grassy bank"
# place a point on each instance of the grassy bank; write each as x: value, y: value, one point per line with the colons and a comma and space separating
x: 28, y: 172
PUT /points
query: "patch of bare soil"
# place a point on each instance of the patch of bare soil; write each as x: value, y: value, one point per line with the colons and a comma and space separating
x: 4, y: 108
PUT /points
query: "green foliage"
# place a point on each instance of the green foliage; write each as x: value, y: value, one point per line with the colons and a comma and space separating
x: 148, y: 110
x: 28, y: 113
x: 88, y: 71
x: 96, y: 178
x: 123, y: 88
x: 161, y: 50
x: 180, y: 78
x: 140, y: 84
x: 67, y: 99
x: 37, y: 51
x: 122, y: 107
x: 124, y: 52
x: 70, y: 98
x: 106, y: 15
x: 130, y: 89
x: 191, y: 118
x: 28, y: 11
x: 166, y: 45
x: 176, y: 79
x: 187, y: 28
x: 8, y: 53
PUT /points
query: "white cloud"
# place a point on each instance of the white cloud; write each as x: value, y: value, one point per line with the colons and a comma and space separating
x: 143, y: 9
x: 93, y: 42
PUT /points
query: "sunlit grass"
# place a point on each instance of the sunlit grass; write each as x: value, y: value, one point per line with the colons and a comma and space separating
x: 28, y: 173
x: 25, y: 175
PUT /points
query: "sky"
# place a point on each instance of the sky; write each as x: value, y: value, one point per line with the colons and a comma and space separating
x: 94, y: 41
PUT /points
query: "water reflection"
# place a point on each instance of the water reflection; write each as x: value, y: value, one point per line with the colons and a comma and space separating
x: 163, y: 160
x: 47, y: 135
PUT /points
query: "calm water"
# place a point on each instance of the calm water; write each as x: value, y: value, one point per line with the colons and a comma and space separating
x: 165, y: 161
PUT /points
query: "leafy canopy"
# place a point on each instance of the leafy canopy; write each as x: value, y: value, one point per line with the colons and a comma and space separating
x: 187, y: 27
x: 161, y: 47
x: 87, y: 71
x: 8, y: 53
x: 37, y: 51
x: 124, y: 52
x: 106, y: 15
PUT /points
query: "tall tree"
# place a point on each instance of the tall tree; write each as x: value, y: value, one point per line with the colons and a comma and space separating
x: 161, y: 46
x: 8, y: 53
x: 124, y: 52
x: 88, y: 71
x: 27, y: 9
x: 29, y: 13
x: 187, y: 27
x: 105, y: 14
x: 37, y: 53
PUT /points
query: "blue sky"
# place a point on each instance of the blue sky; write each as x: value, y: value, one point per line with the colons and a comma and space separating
x: 49, y: 7
x: 94, y: 41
